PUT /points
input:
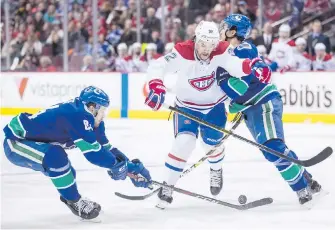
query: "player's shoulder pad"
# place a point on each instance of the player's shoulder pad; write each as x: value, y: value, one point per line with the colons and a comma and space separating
x: 291, y: 43
x: 307, y: 55
x: 327, y: 57
x: 246, y: 50
x: 186, y: 49
x: 128, y: 58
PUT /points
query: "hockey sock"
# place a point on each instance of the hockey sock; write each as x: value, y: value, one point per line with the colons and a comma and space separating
x: 291, y: 172
x: 61, y: 173
x: 183, y: 146
x: 215, y: 160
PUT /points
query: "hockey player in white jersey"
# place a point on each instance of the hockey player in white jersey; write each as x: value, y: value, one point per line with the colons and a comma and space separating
x: 302, y: 58
x: 195, y: 62
x: 322, y: 61
x: 121, y: 63
x: 282, y: 50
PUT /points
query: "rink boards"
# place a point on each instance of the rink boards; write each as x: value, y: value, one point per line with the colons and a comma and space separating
x: 307, y: 96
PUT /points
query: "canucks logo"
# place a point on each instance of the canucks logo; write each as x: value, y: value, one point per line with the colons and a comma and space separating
x: 238, y: 18
x: 203, y: 83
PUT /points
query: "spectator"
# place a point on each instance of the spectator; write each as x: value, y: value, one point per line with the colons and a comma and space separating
x: 155, y: 38
x: 190, y: 31
x: 273, y: 12
x: 316, y: 36
x: 76, y: 12
x: 243, y: 9
x: 87, y: 64
x: 82, y: 32
x: 177, y: 26
x: 266, y: 38
x: 253, y: 36
x: 322, y: 61
x: 73, y: 35
x: 260, y: 21
x: 282, y: 49
x: 39, y: 22
x: 56, y: 44
x: 288, y: 9
x: 147, y: 5
x: 50, y: 16
x: 129, y: 35
x: 32, y: 46
x: 114, y: 36
x: 46, y: 65
x: 28, y: 63
x: 131, y: 11
x: 219, y: 13
x: 151, y: 23
x: 55, y: 30
x: 14, y: 47
x: 179, y: 11
x: 302, y: 58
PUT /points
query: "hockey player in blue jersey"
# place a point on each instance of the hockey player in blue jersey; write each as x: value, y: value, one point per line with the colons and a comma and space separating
x: 39, y: 141
x: 262, y: 107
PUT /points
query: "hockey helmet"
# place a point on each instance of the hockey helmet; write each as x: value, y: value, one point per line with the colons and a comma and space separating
x: 207, y: 32
x: 92, y: 94
x: 237, y: 22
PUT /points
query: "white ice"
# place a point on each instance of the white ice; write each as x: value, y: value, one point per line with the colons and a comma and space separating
x: 29, y: 200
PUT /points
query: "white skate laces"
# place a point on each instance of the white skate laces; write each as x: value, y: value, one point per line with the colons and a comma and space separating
x: 84, y: 206
x: 215, y: 178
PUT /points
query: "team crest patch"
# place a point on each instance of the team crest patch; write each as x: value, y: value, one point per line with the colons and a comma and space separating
x: 203, y: 83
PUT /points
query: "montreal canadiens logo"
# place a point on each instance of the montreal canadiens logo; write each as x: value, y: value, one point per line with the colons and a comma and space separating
x: 202, y: 83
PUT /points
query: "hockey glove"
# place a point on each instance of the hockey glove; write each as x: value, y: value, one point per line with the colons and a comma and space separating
x: 119, y: 170
x: 261, y: 70
x: 156, y: 96
x: 136, y: 167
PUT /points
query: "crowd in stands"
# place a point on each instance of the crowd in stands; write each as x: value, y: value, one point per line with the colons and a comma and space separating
x: 36, y: 31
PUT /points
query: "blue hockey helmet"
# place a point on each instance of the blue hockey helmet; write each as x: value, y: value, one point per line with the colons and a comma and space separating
x: 238, y: 22
x: 92, y: 94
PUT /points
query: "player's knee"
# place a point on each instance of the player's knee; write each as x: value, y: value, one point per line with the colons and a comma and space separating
x: 184, y: 144
x: 56, y: 161
x: 277, y: 145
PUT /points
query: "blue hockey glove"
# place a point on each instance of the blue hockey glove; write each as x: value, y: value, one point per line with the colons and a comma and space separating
x: 119, y: 170
x: 137, y: 168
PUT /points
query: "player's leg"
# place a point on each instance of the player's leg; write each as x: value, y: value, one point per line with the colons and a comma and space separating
x: 210, y: 138
x: 53, y: 162
x: 186, y: 132
x: 265, y: 124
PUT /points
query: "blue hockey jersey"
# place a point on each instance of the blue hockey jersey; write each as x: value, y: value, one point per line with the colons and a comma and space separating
x: 67, y: 124
x: 248, y: 90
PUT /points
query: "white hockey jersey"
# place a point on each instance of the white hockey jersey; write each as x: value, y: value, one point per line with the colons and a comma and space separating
x: 325, y: 64
x: 303, y: 62
x: 122, y: 65
x: 282, y: 52
x: 196, y: 87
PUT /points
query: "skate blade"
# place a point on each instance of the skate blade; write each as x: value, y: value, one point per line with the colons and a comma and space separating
x: 162, y: 205
x: 96, y: 220
x: 316, y: 198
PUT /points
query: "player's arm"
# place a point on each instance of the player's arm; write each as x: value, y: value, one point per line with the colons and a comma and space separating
x: 239, y: 67
x: 169, y: 63
x: 119, y: 166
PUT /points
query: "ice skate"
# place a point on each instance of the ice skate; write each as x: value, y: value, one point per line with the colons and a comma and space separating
x: 304, y: 196
x: 216, y: 181
x: 164, y: 197
x: 83, y: 208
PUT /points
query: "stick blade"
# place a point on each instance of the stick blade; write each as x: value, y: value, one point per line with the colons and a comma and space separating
x: 128, y: 197
x: 323, y: 155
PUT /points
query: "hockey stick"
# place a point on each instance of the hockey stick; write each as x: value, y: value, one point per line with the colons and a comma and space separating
x: 246, y: 206
x: 321, y: 156
x: 236, y: 121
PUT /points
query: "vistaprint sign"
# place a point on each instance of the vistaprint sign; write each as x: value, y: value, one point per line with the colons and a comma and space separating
x: 307, y: 96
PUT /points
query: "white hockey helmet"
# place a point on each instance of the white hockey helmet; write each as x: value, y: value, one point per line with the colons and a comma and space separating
x: 207, y: 32
x: 300, y: 41
x: 136, y: 45
x: 122, y: 46
x: 284, y: 28
x: 320, y: 46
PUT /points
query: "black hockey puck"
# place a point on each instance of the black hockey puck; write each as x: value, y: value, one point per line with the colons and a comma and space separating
x: 242, y: 199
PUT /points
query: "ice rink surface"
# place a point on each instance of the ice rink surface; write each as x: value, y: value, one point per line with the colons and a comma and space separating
x: 29, y: 200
